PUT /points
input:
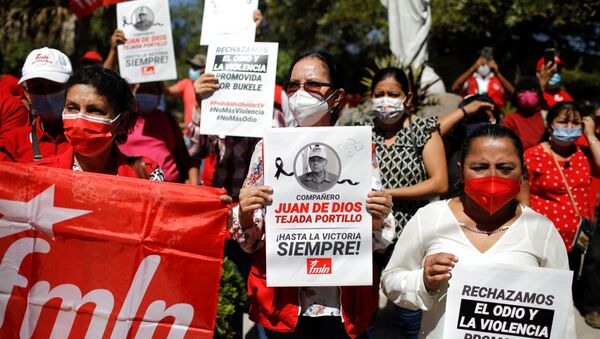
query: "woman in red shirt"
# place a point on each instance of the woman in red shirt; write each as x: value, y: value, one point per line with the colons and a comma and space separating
x: 548, y: 192
x: 548, y: 163
x: 99, y: 113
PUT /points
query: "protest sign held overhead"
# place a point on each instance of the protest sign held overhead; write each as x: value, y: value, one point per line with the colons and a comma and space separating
x: 148, y: 53
x: 507, y: 301
x: 228, y: 21
x: 243, y: 105
x: 98, y: 256
x: 318, y: 231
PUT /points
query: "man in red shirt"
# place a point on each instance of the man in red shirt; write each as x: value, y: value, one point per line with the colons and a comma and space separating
x: 484, y: 77
x: 45, y: 74
x: 550, y: 80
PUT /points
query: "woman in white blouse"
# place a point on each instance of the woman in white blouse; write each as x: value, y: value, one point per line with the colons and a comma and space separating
x: 485, y: 223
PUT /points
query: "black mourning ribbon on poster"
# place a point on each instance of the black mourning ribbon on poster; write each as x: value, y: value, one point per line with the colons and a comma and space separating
x: 280, y: 171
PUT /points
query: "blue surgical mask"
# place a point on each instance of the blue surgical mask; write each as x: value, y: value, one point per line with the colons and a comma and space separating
x: 194, y: 74
x: 566, y: 135
x: 162, y: 103
x: 147, y: 103
x: 555, y: 80
x: 48, y: 106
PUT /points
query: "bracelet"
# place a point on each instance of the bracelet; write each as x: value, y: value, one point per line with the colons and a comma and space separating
x: 464, y: 112
x: 593, y: 142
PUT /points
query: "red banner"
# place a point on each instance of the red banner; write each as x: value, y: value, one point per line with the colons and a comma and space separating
x: 82, y: 8
x: 86, y: 255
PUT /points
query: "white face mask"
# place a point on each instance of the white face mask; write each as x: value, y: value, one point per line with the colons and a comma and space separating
x: 307, y: 109
x: 387, y: 108
x: 483, y: 70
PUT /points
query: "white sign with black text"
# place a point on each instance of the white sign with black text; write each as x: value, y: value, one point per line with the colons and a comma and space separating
x: 318, y: 230
x: 508, y: 302
x: 148, y: 53
x: 243, y: 104
x: 228, y: 21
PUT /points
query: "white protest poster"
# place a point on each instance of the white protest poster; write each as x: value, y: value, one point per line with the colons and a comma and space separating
x: 228, y: 21
x: 318, y: 231
x: 148, y: 53
x: 507, y: 301
x: 243, y: 105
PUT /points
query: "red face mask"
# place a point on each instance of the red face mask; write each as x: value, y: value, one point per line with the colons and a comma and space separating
x: 88, y: 135
x: 492, y: 193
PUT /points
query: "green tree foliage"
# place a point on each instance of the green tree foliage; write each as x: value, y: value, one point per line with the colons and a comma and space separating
x: 352, y: 30
x: 232, y: 297
x: 186, y: 22
x: 518, y: 30
x: 30, y: 24
x: 355, y: 31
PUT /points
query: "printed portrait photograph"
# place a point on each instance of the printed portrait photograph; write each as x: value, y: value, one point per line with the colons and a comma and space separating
x: 317, y: 167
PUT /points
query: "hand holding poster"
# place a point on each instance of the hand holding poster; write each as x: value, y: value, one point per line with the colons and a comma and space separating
x: 243, y: 105
x: 508, y: 301
x: 99, y: 256
x: 228, y: 21
x: 148, y: 53
x: 318, y: 231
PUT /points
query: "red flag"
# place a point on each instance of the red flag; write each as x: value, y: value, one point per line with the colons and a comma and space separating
x: 107, y: 256
x: 82, y: 8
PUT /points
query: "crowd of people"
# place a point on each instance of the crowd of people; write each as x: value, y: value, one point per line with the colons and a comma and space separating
x: 472, y: 182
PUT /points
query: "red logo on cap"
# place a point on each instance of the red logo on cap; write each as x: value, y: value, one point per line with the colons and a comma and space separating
x: 40, y: 57
x: 147, y: 70
x: 318, y: 266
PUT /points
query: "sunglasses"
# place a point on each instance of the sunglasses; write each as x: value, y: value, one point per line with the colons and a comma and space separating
x: 309, y: 86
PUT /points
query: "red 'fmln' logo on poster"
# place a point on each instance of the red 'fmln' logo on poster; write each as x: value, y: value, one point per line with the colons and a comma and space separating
x: 147, y: 70
x: 318, y: 266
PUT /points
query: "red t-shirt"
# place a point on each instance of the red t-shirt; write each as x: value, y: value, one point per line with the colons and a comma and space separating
x: 18, y: 147
x: 530, y: 129
x: 186, y: 86
x: 152, y: 135
x: 10, y: 85
x: 549, y: 194
x: 124, y: 163
x: 552, y: 96
x: 13, y: 114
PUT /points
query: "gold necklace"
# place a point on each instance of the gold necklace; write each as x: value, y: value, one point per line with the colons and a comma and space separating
x: 476, y: 230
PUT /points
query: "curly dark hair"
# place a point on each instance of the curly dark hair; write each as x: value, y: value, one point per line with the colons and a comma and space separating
x: 117, y: 92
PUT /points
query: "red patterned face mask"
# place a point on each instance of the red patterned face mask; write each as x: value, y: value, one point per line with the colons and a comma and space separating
x: 492, y: 193
x: 88, y: 135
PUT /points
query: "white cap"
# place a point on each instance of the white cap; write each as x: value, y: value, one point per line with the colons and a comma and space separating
x: 47, y: 63
x: 317, y: 151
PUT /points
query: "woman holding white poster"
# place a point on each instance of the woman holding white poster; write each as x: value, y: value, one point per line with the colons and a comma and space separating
x: 316, y: 91
x: 485, y: 223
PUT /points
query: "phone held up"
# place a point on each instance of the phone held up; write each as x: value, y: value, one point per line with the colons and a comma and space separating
x: 487, y: 53
x: 549, y: 55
